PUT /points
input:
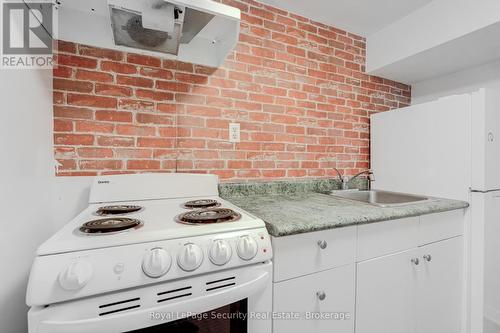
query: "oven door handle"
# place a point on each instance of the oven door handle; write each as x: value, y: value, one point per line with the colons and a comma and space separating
x: 132, y: 320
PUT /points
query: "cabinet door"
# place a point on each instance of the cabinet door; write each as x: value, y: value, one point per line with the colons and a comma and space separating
x: 440, y: 287
x: 386, y: 294
x: 303, y: 297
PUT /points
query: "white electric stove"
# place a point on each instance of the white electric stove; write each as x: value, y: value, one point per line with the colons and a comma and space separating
x: 154, y: 253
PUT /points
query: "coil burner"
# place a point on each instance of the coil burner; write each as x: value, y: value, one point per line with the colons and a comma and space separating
x: 208, y: 216
x: 110, y: 225
x: 117, y: 210
x: 201, y: 204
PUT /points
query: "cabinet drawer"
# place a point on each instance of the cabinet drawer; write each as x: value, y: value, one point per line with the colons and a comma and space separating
x: 379, y: 239
x: 436, y: 227
x: 299, y: 255
x: 300, y: 296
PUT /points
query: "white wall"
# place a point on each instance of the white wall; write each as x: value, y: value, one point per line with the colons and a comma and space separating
x: 25, y: 173
x: 34, y: 203
x: 442, y: 37
x: 456, y: 83
x: 437, y: 23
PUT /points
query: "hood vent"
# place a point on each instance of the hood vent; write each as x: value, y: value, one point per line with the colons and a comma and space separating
x: 197, y: 31
x: 160, y: 27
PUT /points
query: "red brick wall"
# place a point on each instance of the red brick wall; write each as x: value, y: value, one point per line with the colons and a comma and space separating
x: 297, y: 88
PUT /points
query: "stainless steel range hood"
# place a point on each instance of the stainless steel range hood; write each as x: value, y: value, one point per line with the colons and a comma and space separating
x: 198, y: 31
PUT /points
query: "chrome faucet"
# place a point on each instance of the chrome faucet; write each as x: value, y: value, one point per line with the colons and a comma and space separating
x: 345, y: 180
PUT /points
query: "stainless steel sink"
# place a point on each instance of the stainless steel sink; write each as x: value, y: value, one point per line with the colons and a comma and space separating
x: 380, y: 198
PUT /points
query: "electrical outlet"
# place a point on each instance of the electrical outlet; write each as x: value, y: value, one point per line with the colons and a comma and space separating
x: 234, y: 132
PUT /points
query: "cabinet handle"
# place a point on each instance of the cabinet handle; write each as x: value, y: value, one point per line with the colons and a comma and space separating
x: 321, y: 295
x: 322, y: 244
x: 428, y: 257
x: 415, y: 261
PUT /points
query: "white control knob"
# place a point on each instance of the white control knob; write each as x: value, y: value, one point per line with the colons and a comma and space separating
x: 156, y: 262
x: 76, y: 275
x: 220, y: 253
x: 247, y: 248
x: 190, y: 257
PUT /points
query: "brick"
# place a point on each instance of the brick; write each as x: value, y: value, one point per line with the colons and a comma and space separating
x: 239, y: 164
x: 146, y: 118
x: 112, y: 90
x: 157, y: 73
x: 93, y: 76
x: 134, y: 81
x: 154, y: 95
x: 63, y: 125
x: 115, y: 141
x: 72, y: 85
x: 66, y: 47
x: 94, y: 127
x: 64, y: 164
x: 191, y: 78
x: 100, y: 53
x: 155, y: 142
x: 143, y: 165
x: 172, y: 86
x: 72, y: 112
x: 95, y: 152
x: 74, y: 139
x: 118, y: 67
x: 143, y: 60
x: 135, y: 130
x: 64, y: 72
x: 114, y: 116
x: 135, y: 105
x: 93, y: 101
x: 76, y: 61
x: 100, y: 164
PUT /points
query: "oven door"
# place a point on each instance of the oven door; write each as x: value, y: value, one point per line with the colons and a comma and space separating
x: 236, y: 300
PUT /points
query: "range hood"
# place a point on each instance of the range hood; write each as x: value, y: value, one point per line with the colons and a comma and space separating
x: 197, y: 31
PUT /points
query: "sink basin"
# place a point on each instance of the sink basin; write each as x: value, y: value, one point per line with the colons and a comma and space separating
x: 380, y: 198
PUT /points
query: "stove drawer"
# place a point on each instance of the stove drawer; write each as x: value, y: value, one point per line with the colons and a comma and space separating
x: 329, y: 294
x: 312, y: 252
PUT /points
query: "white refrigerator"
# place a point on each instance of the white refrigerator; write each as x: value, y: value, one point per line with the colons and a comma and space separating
x: 451, y: 148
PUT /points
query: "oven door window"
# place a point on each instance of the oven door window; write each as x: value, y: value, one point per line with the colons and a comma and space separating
x: 232, y: 318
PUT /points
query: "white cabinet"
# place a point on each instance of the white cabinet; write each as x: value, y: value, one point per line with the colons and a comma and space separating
x: 329, y: 293
x: 312, y: 252
x: 379, y: 239
x: 401, y: 276
x: 415, y: 291
x: 386, y: 288
x: 439, y: 291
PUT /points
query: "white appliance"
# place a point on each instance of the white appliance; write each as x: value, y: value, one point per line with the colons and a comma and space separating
x: 451, y: 148
x: 127, y: 263
x: 197, y: 31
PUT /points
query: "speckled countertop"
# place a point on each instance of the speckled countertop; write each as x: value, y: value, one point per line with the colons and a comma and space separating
x: 293, y: 210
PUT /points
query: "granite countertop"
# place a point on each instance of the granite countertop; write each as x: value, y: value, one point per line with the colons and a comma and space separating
x: 295, y: 212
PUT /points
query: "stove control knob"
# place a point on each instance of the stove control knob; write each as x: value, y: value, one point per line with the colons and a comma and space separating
x: 247, y: 248
x: 221, y: 252
x: 156, y: 262
x: 76, y: 275
x: 190, y: 257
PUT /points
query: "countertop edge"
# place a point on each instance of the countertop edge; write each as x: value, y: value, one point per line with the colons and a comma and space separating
x: 277, y: 234
x: 278, y: 228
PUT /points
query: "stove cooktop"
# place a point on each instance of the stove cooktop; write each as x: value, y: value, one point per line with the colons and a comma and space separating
x: 147, y: 221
